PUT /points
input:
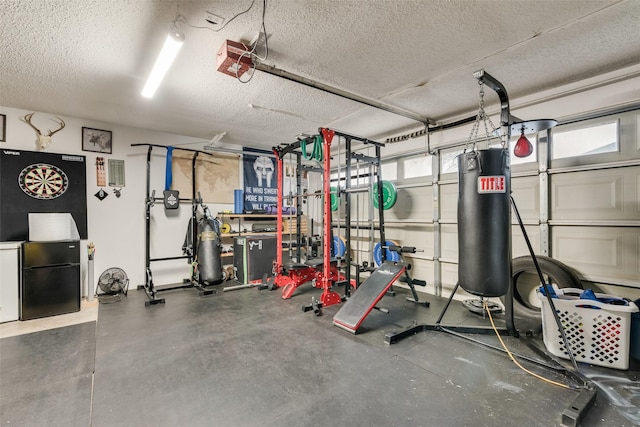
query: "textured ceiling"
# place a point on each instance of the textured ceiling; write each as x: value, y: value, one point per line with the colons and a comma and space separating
x: 90, y: 59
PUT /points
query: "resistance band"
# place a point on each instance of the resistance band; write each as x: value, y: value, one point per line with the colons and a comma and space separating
x: 316, y: 152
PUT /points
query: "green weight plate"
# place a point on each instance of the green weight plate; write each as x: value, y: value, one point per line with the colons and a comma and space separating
x: 389, y: 195
x: 335, y: 201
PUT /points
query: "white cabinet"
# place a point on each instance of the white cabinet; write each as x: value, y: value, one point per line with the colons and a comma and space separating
x: 9, y: 280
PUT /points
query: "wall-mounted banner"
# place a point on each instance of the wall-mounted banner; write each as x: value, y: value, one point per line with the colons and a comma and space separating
x: 260, y: 180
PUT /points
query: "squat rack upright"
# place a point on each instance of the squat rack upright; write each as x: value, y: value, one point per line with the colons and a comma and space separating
x: 328, y: 275
x: 324, y: 272
x: 374, y: 162
x: 280, y: 152
x: 150, y: 199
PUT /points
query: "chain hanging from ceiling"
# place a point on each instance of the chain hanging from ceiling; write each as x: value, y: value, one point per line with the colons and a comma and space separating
x: 486, y: 120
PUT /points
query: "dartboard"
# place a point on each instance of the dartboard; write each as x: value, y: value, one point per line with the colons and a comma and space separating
x: 43, y: 181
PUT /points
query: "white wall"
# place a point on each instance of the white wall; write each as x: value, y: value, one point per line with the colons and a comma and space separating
x: 117, y: 225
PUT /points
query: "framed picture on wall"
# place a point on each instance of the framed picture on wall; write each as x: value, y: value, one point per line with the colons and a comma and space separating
x: 3, y: 128
x: 96, y: 140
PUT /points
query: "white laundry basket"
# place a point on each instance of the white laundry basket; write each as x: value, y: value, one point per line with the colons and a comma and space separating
x: 598, y: 333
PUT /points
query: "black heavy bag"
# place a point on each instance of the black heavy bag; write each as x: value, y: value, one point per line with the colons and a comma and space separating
x: 209, y: 249
x: 484, y: 222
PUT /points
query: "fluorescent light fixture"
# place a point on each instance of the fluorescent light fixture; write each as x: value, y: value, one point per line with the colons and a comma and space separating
x: 168, y: 53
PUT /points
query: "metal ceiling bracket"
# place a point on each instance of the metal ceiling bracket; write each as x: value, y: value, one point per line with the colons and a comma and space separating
x: 505, y: 113
x: 509, y: 122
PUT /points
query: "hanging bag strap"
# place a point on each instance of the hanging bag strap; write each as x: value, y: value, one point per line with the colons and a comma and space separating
x: 168, y: 175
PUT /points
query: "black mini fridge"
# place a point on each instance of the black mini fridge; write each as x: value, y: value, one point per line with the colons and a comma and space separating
x: 50, y: 282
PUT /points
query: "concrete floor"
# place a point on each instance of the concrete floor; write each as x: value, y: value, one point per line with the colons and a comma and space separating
x: 249, y: 358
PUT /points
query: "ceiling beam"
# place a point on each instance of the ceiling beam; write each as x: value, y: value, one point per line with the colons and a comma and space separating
x: 269, y: 69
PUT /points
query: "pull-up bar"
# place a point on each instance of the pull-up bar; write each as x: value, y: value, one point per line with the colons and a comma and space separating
x: 359, y: 139
x: 168, y: 146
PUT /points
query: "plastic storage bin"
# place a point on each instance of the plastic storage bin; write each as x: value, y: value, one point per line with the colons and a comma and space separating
x: 598, y: 333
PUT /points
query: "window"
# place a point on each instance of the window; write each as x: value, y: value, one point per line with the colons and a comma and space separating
x: 449, y: 161
x: 585, y: 141
x: 415, y: 167
x: 389, y: 171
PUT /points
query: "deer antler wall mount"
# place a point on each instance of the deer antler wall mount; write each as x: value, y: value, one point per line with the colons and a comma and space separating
x: 43, y: 140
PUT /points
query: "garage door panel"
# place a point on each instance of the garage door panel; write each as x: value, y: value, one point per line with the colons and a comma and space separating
x: 638, y: 194
x: 609, y: 253
x: 449, y: 202
x: 449, y: 242
x: 519, y: 245
x: 449, y: 277
x: 637, y: 134
x: 423, y: 270
x: 608, y: 194
x: 526, y: 193
x: 594, y: 250
x: 418, y: 236
x: 412, y: 203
